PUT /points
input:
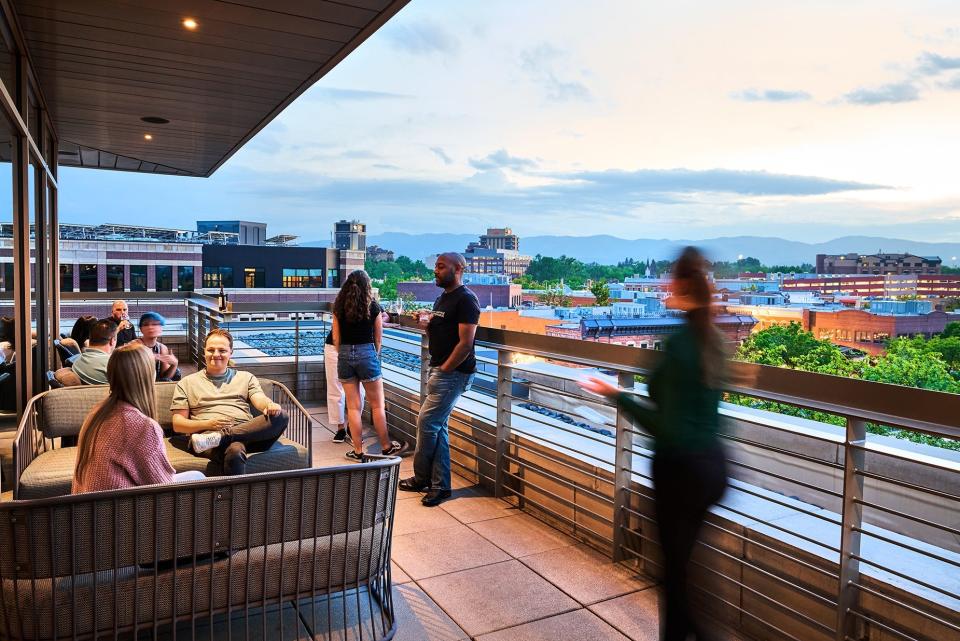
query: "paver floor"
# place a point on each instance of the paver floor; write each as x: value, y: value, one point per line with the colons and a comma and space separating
x: 477, y: 568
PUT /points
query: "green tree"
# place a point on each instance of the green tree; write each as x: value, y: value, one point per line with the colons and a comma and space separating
x: 952, y: 330
x: 554, y: 298
x: 601, y: 291
x: 791, y: 346
x: 907, y: 363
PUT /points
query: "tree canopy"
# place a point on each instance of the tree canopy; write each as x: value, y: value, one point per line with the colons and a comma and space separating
x: 932, y: 364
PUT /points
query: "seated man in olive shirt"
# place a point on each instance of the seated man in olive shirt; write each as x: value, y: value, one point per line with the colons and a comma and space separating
x: 213, y: 407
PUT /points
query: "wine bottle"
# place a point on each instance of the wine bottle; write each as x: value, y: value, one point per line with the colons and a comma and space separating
x: 222, y: 299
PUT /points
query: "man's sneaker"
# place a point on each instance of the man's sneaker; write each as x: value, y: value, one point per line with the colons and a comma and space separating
x: 435, y: 497
x: 340, y: 436
x: 353, y: 456
x: 411, y: 485
x: 394, y: 448
x: 203, y: 441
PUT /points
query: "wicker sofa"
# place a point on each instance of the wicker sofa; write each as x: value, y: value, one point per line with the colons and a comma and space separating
x: 177, y: 560
x: 44, y: 466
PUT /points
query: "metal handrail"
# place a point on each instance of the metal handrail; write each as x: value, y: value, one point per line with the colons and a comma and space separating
x: 508, y: 462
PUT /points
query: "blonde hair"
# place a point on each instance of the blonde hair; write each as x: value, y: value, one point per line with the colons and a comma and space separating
x: 130, y: 371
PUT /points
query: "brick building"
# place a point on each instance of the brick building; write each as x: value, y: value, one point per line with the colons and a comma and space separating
x: 854, y: 263
x: 891, y: 285
x: 868, y: 332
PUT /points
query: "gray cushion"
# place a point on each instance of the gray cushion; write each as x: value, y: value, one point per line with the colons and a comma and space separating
x: 164, y: 394
x: 51, y: 473
x: 282, y: 455
x: 63, y: 410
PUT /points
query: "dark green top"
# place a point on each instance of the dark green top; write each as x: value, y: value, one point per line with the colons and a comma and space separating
x: 686, y: 417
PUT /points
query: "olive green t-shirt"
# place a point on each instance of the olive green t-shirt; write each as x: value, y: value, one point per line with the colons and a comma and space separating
x: 208, y: 397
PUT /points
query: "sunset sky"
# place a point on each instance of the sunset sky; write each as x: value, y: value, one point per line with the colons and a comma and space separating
x: 686, y: 120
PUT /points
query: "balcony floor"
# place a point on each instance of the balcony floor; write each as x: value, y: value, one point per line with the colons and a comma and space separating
x: 477, y: 568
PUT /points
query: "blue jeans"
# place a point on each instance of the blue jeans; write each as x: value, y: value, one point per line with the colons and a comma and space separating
x: 358, y: 361
x: 431, y: 461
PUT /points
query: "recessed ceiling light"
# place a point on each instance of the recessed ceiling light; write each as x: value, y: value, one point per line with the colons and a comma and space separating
x: 155, y: 120
x: 190, y: 23
x: 147, y: 136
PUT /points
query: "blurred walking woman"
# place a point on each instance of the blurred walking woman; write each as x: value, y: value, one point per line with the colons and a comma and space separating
x: 121, y: 443
x: 689, y: 469
x: 358, y: 337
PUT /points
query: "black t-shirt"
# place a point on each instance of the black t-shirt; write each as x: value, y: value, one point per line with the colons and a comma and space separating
x: 359, y: 333
x: 124, y: 336
x: 449, y: 310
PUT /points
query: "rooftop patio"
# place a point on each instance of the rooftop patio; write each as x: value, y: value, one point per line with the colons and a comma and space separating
x: 827, y: 531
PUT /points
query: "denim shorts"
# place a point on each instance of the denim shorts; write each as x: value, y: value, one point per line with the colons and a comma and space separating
x: 358, y: 361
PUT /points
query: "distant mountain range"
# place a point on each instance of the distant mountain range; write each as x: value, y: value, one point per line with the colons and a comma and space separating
x: 610, y: 249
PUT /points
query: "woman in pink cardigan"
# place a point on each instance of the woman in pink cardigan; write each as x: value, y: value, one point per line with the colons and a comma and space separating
x: 121, y: 443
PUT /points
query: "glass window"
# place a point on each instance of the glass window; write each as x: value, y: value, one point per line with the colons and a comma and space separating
x: 138, y: 278
x: 164, y: 278
x: 114, y: 278
x: 66, y: 278
x: 185, y: 278
x: 8, y: 277
x: 332, y: 278
x: 88, y: 278
x: 302, y: 277
x: 218, y: 277
x: 254, y: 277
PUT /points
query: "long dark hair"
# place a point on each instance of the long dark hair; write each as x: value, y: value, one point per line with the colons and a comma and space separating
x: 81, y: 330
x: 353, y: 301
x: 6, y: 329
x: 691, y: 270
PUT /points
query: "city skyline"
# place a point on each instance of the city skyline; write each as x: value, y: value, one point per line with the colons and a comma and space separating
x: 668, y: 126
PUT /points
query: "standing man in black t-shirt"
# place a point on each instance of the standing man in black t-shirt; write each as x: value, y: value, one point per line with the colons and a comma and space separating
x: 120, y: 317
x: 451, y: 328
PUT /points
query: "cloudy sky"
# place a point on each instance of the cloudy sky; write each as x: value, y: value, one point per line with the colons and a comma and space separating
x: 685, y: 120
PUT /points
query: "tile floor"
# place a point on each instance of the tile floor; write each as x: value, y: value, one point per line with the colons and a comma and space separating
x: 477, y: 568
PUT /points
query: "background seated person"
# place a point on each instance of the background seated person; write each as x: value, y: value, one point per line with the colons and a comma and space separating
x: 121, y: 443
x: 80, y: 334
x: 121, y: 318
x: 91, y: 366
x: 213, y: 407
x: 7, y: 338
x: 151, y: 328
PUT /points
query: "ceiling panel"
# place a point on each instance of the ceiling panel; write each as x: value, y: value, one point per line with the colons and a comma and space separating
x: 105, y: 64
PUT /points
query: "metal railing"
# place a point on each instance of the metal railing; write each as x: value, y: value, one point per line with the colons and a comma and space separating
x: 824, y: 533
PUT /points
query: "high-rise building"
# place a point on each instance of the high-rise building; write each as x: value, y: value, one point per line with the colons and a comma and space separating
x: 350, y: 238
x: 497, y: 253
x: 350, y: 235
x: 500, y: 238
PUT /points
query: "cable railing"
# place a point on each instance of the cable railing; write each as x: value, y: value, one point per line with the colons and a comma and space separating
x: 825, y: 532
